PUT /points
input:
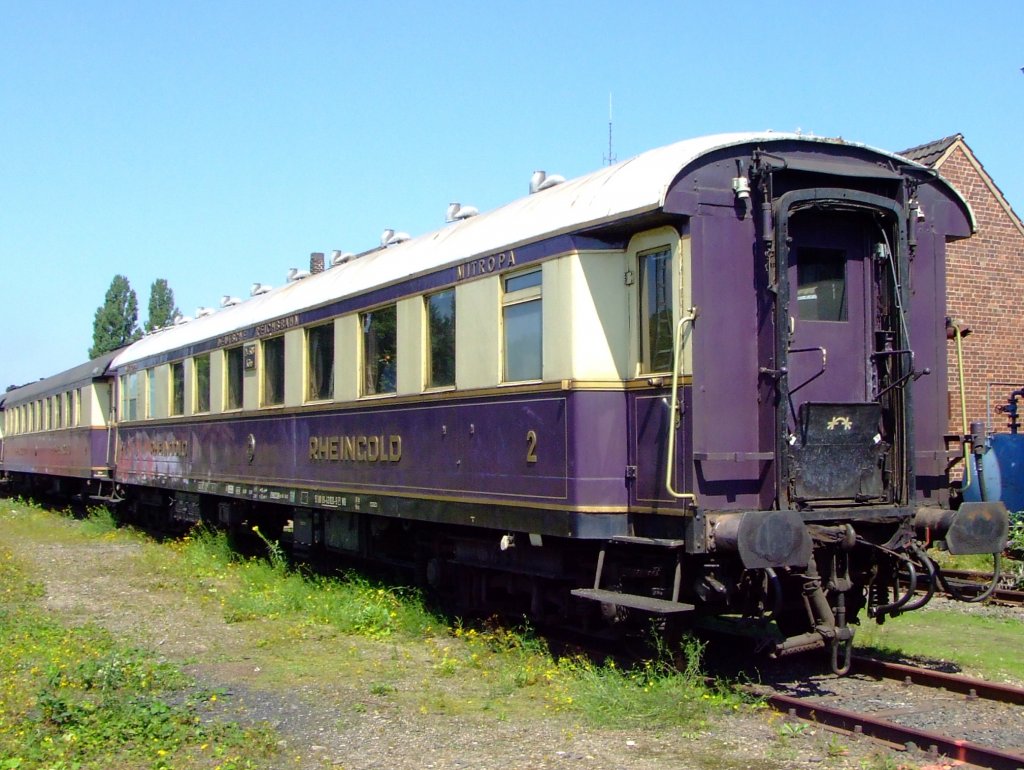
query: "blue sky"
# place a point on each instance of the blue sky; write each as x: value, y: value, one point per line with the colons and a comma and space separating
x: 215, y: 144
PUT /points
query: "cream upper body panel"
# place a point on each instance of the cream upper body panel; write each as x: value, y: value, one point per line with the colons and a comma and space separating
x: 630, y: 187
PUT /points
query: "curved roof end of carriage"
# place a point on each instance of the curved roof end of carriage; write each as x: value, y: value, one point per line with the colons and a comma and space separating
x: 73, y: 377
x: 631, y: 187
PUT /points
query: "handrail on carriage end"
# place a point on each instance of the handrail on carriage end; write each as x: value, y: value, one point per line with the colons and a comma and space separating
x: 686, y: 320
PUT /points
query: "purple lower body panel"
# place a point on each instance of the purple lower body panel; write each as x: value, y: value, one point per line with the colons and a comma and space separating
x: 511, y: 458
x: 72, y: 452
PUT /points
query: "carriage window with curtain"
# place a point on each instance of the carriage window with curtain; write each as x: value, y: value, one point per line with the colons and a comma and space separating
x: 656, y: 331
x: 441, y: 339
x: 177, y: 388
x: 201, y: 365
x: 273, y: 372
x: 379, y: 337
x: 233, y: 378
x: 522, y: 316
x: 320, y: 362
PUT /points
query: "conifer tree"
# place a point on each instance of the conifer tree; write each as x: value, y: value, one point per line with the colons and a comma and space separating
x: 162, y: 311
x: 115, y: 322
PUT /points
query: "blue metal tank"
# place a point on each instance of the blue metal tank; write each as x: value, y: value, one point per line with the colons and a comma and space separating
x: 1002, y: 472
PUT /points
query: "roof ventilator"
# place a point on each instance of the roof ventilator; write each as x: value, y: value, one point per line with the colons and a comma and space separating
x: 294, y: 274
x: 457, y: 212
x: 391, y: 238
x: 259, y: 288
x: 228, y: 301
x: 541, y: 181
x: 341, y: 257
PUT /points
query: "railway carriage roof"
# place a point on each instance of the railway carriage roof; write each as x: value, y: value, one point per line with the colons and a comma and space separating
x: 73, y: 377
x: 631, y: 187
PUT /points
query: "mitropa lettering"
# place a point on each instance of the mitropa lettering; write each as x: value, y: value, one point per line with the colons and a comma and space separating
x: 485, y: 265
x: 360, y: 449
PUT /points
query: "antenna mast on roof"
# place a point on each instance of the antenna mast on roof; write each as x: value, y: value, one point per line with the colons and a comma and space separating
x: 610, y: 157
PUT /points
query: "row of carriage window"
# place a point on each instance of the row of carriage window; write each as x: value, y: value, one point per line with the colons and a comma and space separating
x: 63, y: 410
x: 522, y: 332
x: 378, y: 331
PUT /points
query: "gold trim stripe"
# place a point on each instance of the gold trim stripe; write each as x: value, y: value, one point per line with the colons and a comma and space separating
x: 371, y: 494
x: 424, y: 399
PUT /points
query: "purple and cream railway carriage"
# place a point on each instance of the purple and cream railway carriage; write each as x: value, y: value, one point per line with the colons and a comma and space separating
x: 58, y: 437
x: 708, y: 381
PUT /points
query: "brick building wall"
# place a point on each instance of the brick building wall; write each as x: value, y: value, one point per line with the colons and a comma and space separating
x: 984, y: 283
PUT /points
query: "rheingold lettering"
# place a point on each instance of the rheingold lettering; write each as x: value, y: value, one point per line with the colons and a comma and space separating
x: 169, y: 448
x: 357, y: 448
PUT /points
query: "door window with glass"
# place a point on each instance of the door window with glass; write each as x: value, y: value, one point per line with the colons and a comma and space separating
x: 178, y: 388
x: 320, y: 362
x: 379, y: 342
x: 821, y: 284
x: 522, y: 323
x: 273, y: 371
x: 656, y: 311
x: 441, y: 339
x: 233, y: 378
x: 201, y: 365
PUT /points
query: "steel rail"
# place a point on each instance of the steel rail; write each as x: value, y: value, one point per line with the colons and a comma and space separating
x: 971, y: 582
x: 925, y: 677
x: 1004, y: 595
x: 864, y: 724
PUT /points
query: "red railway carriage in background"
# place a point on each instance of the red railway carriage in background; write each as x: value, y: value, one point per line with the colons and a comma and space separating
x: 706, y: 383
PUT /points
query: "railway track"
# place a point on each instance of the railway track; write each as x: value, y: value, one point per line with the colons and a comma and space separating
x: 972, y: 582
x: 960, y: 718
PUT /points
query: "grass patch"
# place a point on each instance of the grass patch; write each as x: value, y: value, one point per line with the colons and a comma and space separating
x: 490, y: 668
x: 99, y: 521
x: 982, y: 645
x: 72, y: 697
x: 653, y: 695
x: 267, y: 588
x: 383, y: 640
x: 518, y: 669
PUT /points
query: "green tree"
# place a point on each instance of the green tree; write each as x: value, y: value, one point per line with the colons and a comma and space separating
x: 115, y: 322
x: 162, y: 311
